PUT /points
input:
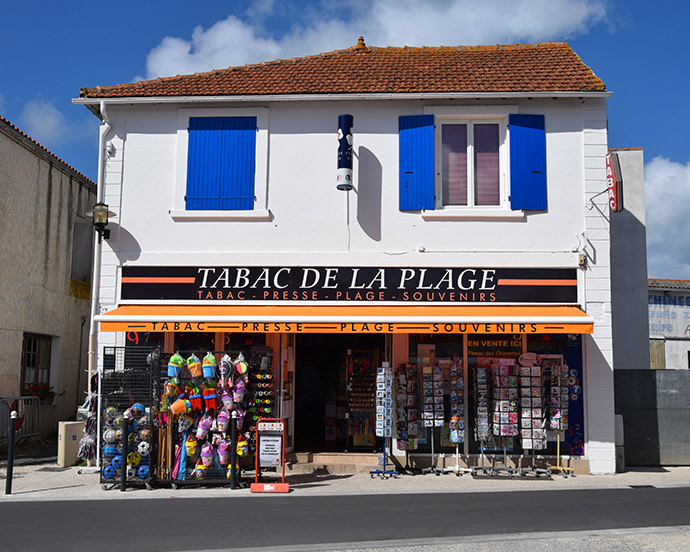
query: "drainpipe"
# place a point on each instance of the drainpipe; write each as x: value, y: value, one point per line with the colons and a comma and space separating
x: 96, y: 273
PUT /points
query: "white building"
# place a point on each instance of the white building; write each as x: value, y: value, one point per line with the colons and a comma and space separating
x: 476, y: 224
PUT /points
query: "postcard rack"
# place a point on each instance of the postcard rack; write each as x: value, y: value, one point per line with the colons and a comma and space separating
x: 384, y: 418
x: 559, y: 403
x: 533, y: 413
x: 482, y: 427
x: 456, y: 427
x: 406, y: 410
x: 433, y: 414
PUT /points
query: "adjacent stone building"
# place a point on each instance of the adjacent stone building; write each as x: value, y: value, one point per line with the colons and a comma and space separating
x: 45, y: 267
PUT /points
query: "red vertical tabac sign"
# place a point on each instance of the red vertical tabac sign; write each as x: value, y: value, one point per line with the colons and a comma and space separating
x: 613, y: 182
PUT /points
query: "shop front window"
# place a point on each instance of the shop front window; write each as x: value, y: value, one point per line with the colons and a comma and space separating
x: 565, y: 388
x: 511, y: 394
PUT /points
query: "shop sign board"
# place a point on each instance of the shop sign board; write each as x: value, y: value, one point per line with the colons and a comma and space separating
x: 278, y: 284
x: 350, y: 327
x: 614, y: 183
x: 270, y: 443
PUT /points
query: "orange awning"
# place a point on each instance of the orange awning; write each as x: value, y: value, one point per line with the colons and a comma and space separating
x: 347, y: 319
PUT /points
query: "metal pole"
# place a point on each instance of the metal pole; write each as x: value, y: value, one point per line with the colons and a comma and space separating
x: 233, y: 451
x: 10, y: 452
x: 125, y: 451
x: 84, y: 318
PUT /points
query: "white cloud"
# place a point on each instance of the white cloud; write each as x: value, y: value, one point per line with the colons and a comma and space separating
x: 44, y: 122
x: 227, y: 42
x: 233, y: 41
x: 51, y: 128
x: 667, y: 194
x: 469, y: 22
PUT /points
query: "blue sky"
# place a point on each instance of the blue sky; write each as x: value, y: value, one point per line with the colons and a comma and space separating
x: 638, y: 48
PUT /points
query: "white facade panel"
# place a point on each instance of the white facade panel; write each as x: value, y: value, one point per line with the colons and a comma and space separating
x: 301, y: 169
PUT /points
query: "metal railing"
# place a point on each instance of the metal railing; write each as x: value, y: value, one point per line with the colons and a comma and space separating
x: 27, y: 409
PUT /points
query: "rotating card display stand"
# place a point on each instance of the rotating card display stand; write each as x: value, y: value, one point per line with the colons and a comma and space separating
x: 457, y: 415
x: 405, y: 380
x: 433, y: 468
x: 505, y: 408
x: 482, y: 424
x: 457, y: 469
x: 384, y: 416
x: 532, y: 412
x: 434, y: 411
x: 559, y: 401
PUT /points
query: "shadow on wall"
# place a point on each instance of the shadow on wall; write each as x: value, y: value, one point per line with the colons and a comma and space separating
x: 629, y: 292
x: 655, y: 405
x: 128, y: 248
x: 369, y: 190
x: 637, y: 401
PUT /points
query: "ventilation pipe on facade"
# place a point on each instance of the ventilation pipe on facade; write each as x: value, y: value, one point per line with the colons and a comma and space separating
x: 103, y: 153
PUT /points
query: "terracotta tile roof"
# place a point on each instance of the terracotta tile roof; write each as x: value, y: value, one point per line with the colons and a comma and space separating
x: 20, y: 136
x: 546, y: 67
x: 657, y: 283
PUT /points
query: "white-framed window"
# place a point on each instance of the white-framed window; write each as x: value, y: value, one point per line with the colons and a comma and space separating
x: 235, y: 146
x: 467, y: 162
x: 471, y: 167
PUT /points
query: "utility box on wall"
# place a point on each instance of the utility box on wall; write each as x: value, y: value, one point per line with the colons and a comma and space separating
x: 69, y: 435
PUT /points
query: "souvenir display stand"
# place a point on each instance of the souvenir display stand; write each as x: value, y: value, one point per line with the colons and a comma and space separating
x: 505, y: 403
x: 189, y: 418
x: 559, y: 402
x: 126, y: 428
x: 457, y: 415
x: 384, y: 416
x: 433, y: 468
x: 433, y: 413
x: 206, y: 398
x: 407, y: 405
x: 532, y: 413
x: 482, y: 426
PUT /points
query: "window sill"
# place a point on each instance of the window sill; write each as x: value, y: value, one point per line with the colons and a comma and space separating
x: 256, y: 214
x: 473, y: 214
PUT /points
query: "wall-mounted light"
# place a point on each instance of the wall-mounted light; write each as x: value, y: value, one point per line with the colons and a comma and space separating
x: 100, y: 215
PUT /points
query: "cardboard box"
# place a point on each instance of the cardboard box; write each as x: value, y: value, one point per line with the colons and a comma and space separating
x: 69, y: 435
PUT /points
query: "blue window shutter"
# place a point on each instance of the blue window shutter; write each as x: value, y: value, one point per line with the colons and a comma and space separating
x: 221, y: 163
x: 527, y: 162
x: 416, y: 135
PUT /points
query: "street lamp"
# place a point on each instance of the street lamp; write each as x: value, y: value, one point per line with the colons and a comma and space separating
x: 100, y: 214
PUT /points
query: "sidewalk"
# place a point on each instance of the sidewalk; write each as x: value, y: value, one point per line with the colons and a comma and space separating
x: 44, y: 480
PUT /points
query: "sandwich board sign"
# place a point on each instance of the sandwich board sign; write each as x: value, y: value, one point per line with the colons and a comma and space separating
x: 270, y: 453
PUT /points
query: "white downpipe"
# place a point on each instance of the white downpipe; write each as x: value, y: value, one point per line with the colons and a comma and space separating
x: 96, y: 275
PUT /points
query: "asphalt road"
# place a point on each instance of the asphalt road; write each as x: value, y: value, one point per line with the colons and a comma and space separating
x: 284, y: 521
